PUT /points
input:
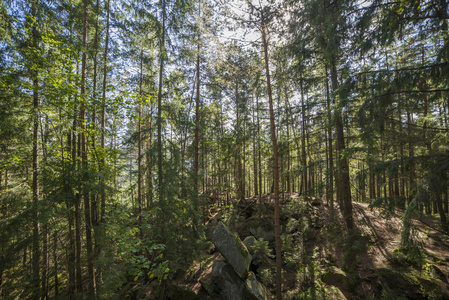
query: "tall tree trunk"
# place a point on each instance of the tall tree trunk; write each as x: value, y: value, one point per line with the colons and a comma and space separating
x: 87, y: 219
x: 35, y: 246
x: 287, y: 108
x: 94, y: 199
x: 303, y: 142
x: 277, y: 230
x: 342, y: 162
x: 139, y: 148
x: 55, y: 263
x: 101, y: 233
x: 159, y: 109
x: 254, y: 157
x: 70, y: 216
x: 103, y: 114
x: 411, y: 154
x: 78, y: 281
x: 197, y: 137
x: 330, y: 170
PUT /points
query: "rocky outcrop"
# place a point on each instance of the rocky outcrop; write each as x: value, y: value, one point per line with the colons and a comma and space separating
x: 396, y: 283
x: 249, y: 242
x: 231, y: 279
x: 228, y: 282
x: 232, y: 249
x: 337, y: 277
x: 262, y: 228
x: 255, y: 290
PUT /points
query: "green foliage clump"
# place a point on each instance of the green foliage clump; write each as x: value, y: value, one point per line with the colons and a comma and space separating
x: 355, y: 244
x: 410, y: 247
x: 406, y: 256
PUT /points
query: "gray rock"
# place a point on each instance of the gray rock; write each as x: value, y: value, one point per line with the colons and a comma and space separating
x: 337, y: 277
x: 217, y: 268
x: 232, y: 249
x: 249, y: 242
x: 261, y: 233
x: 177, y: 292
x: 255, y: 289
x: 208, y: 287
x: 262, y: 228
x: 230, y: 285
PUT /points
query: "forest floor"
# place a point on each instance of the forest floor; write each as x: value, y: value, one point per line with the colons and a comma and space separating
x: 316, y: 251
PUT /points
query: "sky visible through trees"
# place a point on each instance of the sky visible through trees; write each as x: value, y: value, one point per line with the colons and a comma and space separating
x: 126, y: 125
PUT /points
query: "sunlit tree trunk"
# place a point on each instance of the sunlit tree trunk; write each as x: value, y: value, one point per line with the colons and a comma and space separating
x: 35, y: 246
x: 197, y: 136
x: 330, y: 153
x: 82, y: 118
x: 277, y: 230
x: 343, y: 182
x: 159, y: 108
x: 139, y: 148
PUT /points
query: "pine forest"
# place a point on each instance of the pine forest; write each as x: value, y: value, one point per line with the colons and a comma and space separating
x: 206, y: 149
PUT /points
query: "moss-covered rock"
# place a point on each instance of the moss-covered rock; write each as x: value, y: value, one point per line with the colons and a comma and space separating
x: 232, y: 249
x: 175, y: 292
x: 249, y: 242
x: 255, y: 289
x: 338, y: 278
x: 409, y: 286
x: 228, y: 282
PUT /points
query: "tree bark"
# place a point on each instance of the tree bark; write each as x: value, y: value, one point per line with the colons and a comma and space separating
x: 159, y: 109
x: 277, y: 231
x: 197, y: 137
x: 35, y: 243
x: 343, y: 183
x: 139, y: 149
x: 82, y: 117
x: 330, y: 170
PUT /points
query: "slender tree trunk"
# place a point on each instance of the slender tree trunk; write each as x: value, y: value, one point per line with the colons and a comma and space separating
x: 342, y: 162
x: 79, y: 281
x: 55, y: 262
x: 139, y: 149
x: 149, y: 160
x: 254, y: 157
x: 103, y: 114
x: 94, y: 199
x: 330, y: 170
x: 36, y: 104
x: 287, y: 107
x: 159, y: 109
x: 197, y: 136
x: 69, y: 203
x: 303, y: 142
x: 411, y: 154
x: 87, y: 217
x: 44, y: 265
x: 101, y: 233
x: 277, y: 230
x: 259, y: 155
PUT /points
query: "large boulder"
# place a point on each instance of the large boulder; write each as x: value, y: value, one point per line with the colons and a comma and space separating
x: 232, y: 249
x: 249, y: 242
x: 337, y: 277
x: 408, y: 285
x: 262, y: 228
x: 255, y: 289
x: 176, y: 292
x: 230, y: 285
